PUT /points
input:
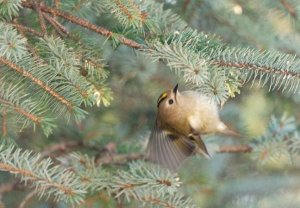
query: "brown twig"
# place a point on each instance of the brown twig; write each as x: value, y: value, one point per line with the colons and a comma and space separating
x: 123, y: 158
x: 27, y: 198
x: 21, y: 111
x: 4, y: 123
x: 289, y: 8
x: 7, y: 187
x: 56, y: 4
x: 84, y: 23
x: 119, y: 159
x: 61, y: 30
x: 235, y: 149
x: 27, y: 29
x: 36, y: 6
x: 258, y: 68
x: 38, y: 82
x: 185, y: 5
x: 61, y: 147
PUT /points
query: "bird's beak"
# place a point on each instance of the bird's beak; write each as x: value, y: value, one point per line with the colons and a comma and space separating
x: 175, y: 89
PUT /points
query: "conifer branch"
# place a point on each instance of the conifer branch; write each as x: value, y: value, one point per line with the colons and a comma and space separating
x: 36, y: 6
x: 49, y: 180
x: 21, y: 111
x: 235, y: 149
x: 4, y: 122
x: 57, y: 26
x: 290, y: 8
x: 27, y: 198
x: 27, y: 29
x: 263, y: 69
x: 38, y: 82
x: 84, y: 23
x: 33, y: 177
x: 128, y: 13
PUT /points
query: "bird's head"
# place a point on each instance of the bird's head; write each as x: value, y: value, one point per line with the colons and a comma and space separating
x: 168, y: 100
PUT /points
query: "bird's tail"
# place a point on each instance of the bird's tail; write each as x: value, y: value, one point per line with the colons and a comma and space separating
x: 223, y: 129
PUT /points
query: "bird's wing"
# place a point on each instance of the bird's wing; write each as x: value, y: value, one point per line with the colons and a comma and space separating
x: 201, y: 147
x: 169, y: 150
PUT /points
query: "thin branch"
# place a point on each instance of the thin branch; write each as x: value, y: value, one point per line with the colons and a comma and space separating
x: 22, y: 29
x: 27, y: 29
x: 7, y: 187
x: 21, y: 111
x: 258, y: 68
x: 235, y: 149
x: 57, y: 26
x: 85, y: 23
x: 38, y: 82
x: 4, y: 123
x: 123, y: 9
x: 61, y: 147
x: 123, y: 158
x: 27, y: 198
x: 33, y: 177
x: 36, y: 6
x: 185, y: 5
x: 291, y: 10
x: 157, y: 201
x: 119, y: 159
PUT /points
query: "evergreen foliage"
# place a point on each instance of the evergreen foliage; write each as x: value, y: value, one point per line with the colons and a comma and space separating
x: 88, y: 73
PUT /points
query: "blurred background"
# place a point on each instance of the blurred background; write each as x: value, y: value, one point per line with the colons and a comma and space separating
x: 267, y: 177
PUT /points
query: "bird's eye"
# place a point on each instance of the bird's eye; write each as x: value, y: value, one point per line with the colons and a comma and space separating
x: 171, y: 101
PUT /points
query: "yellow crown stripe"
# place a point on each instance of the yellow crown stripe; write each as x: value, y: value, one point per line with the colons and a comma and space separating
x: 161, y: 98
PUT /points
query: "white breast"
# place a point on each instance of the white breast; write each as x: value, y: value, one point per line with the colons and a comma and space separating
x: 204, y: 116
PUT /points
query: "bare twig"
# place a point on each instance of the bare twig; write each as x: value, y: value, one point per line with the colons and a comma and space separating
x: 61, y: 147
x: 185, y: 5
x: 4, y: 123
x: 27, y: 198
x: 36, y: 6
x: 84, y: 23
x: 289, y: 8
x: 57, y: 26
x: 123, y: 158
x: 27, y: 29
x: 235, y: 149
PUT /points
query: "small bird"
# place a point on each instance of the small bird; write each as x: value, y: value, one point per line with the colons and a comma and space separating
x: 182, y: 117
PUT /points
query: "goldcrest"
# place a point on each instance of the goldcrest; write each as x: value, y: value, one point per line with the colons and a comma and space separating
x: 182, y: 117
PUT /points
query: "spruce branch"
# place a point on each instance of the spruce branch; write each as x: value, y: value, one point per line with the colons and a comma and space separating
x: 4, y: 122
x: 10, y: 8
x: 12, y: 45
x: 27, y: 29
x: 20, y: 110
x: 235, y: 149
x: 27, y: 198
x: 38, y: 82
x: 48, y: 180
x: 60, y: 29
x: 290, y: 8
x: 36, y: 6
x: 128, y: 14
x: 280, y: 71
x: 149, y: 184
x: 57, y: 26
x: 85, y: 23
x: 278, y: 143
